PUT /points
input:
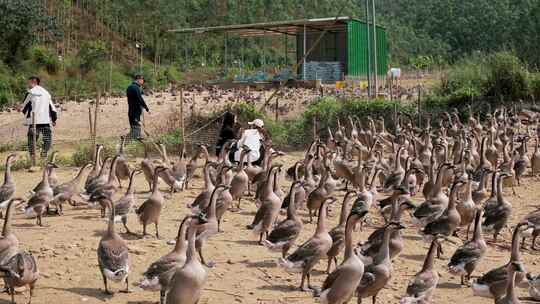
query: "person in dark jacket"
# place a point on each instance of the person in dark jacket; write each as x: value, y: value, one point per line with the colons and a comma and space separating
x: 227, y: 131
x: 135, y: 106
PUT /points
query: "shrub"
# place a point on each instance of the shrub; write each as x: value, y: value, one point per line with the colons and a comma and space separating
x: 45, y: 58
x: 84, y: 152
x: 507, y: 77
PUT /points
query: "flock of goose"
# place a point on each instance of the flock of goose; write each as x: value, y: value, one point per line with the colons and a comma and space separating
x: 451, y: 166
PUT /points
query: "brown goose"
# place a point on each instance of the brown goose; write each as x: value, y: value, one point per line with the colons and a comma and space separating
x: 122, y: 171
x: 340, y: 285
x: 239, y: 183
x: 369, y: 250
x: 38, y: 203
x: 106, y: 190
x: 271, y: 203
x: 493, y: 283
x: 122, y: 207
x: 535, y: 159
x: 511, y: 296
x: 65, y: 192
x: 150, y: 210
x: 97, y: 182
x: 287, y: 231
x: 338, y: 232
x: 112, y: 254
x: 467, y: 208
x: 8, y: 187
x: 396, y: 176
x: 210, y: 227
x: 203, y: 199
x: 20, y: 271
x: 96, y: 169
x: 225, y: 199
x: 497, y: 212
x: 534, y: 286
x: 53, y: 178
x: 147, y: 166
x: 300, y: 193
x: 159, y: 274
x: 421, y: 288
x: 317, y: 196
x: 480, y: 194
x: 533, y: 220
x: 8, y: 242
x: 469, y: 255
x: 187, y: 282
x: 308, y: 254
x: 378, y: 274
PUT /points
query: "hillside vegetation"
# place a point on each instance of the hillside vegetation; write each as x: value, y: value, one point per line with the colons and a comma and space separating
x: 81, y: 46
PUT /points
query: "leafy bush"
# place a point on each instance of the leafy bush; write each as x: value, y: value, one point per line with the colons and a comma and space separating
x: 84, y: 152
x: 46, y: 58
x: 507, y: 77
x: 534, y: 83
x: 90, y: 54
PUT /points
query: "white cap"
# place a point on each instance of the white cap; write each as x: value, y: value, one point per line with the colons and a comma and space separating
x: 257, y: 122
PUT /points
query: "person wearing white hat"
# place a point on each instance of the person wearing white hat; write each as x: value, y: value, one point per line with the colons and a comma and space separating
x: 252, y: 139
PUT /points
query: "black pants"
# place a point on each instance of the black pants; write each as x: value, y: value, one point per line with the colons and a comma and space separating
x: 46, y: 132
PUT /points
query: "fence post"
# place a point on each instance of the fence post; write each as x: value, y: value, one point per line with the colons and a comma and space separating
x: 182, y: 115
x: 419, y: 107
x: 34, y: 138
x: 277, y: 109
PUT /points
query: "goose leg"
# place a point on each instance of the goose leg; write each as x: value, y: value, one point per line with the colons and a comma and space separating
x: 238, y: 206
x: 31, y: 293
x: 329, y: 265
x: 310, y: 216
x: 311, y: 288
x: 468, y: 229
x: 219, y: 226
x: 124, y: 222
x: 284, y: 250
x: 374, y: 299
x: 203, y: 261
x: 127, y: 287
x: 523, y: 243
x: 533, y: 244
x: 261, y: 238
x: 12, y: 292
x: 162, y: 296
x: 157, y: 230
x: 107, y: 291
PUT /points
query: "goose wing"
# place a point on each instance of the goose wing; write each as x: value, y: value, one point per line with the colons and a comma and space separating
x: 422, y: 283
x: 308, y: 250
x: 162, y: 266
x: 494, y: 275
x: 285, y: 231
x: 6, y: 192
x: 427, y: 209
x: 112, y: 255
x: 466, y: 254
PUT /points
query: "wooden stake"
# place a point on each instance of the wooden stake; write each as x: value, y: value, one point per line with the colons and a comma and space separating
x: 314, y: 128
x: 34, y: 138
x: 277, y: 109
x: 182, y: 115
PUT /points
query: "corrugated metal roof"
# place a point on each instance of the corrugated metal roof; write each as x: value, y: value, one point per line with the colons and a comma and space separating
x: 292, y: 27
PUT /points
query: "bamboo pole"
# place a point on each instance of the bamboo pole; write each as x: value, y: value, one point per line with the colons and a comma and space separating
x: 34, y: 138
x: 182, y: 115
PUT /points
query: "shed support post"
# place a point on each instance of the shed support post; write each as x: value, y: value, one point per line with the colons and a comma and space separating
x: 304, y: 51
x: 376, y: 81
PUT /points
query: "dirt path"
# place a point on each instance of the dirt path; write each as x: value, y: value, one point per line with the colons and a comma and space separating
x: 245, y: 272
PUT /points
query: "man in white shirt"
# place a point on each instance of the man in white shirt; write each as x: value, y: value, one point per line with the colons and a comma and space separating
x: 38, y: 103
x: 252, y: 139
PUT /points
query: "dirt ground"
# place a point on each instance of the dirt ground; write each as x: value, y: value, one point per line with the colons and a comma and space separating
x: 245, y: 272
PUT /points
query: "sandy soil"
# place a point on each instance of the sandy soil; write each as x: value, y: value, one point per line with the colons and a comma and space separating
x: 245, y: 272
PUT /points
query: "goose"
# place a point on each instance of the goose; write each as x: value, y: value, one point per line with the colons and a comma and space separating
x: 7, y: 189
x: 239, y: 183
x: 497, y: 212
x: 533, y: 220
x: 447, y: 223
x: 523, y: 161
x: 188, y: 281
x: 338, y: 232
x: 465, y: 259
x: 147, y: 167
x: 535, y: 159
x: 179, y: 169
x: 122, y: 171
x: 271, y: 203
x: 317, y: 196
x: 150, y: 210
x: 65, y: 192
x: 9, y: 243
x: 492, y: 284
x: 340, y: 285
x: 396, y: 176
x: 20, y: 271
x: 123, y: 206
x: 112, y: 254
x: 305, y: 257
x: 97, y: 182
x: 421, y: 288
x: 300, y: 192
x: 511, y: 297
x: 225, y: 199
x: 53, y: 178
x: 38, y: 203
x: 368, y: 250
x: 480, y: 194
x: 534, y: 286
x: 467, y: 208
x: 106, y: 190
x: 158, y: 275
x: 210, y: 227
x: 203, y: 199
x: 96, y: 169
x: 435, y: 204
x: 283, y: 236
x: 378, y: 274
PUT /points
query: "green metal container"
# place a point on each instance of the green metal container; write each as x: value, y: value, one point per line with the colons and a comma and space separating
x: 357, y: 49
